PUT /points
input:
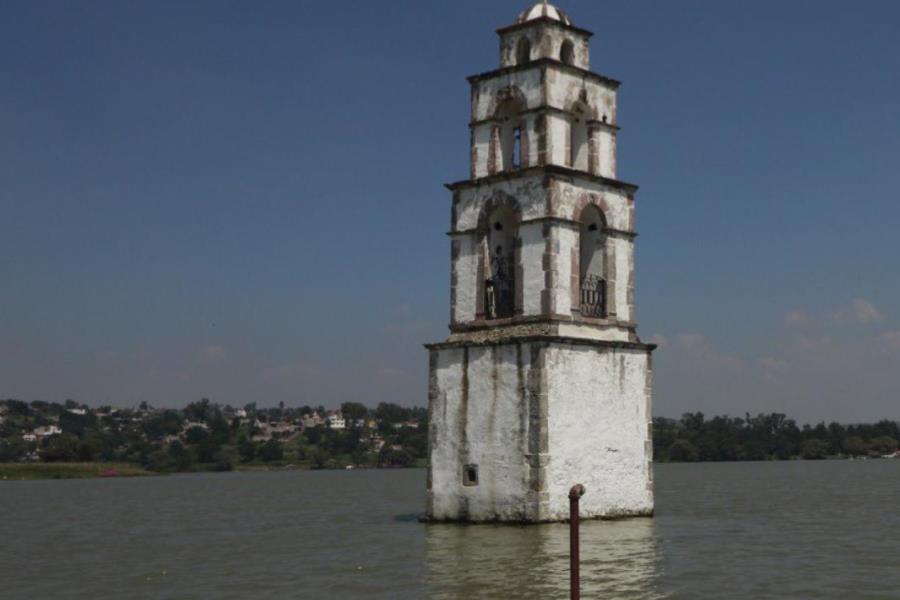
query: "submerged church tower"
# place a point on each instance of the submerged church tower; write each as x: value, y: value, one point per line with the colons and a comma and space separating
x: 543, y: 382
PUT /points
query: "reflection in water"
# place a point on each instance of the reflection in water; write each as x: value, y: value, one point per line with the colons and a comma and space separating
x: 618, y: 560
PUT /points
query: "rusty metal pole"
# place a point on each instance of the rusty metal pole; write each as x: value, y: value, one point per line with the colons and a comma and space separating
x: 575, y: 495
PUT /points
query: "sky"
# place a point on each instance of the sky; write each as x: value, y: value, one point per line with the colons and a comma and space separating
x: 244, y: 200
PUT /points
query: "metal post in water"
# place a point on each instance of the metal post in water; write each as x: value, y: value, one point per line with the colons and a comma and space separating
x: 575, y: 495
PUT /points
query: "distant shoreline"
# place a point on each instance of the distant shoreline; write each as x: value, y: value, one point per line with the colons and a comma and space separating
x: 100, y: 470
x: 103, y: 470
x: 90, y: 470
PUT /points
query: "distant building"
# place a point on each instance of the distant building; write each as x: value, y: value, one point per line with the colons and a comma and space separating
x: 312, y: 420
x: 284, y: 429
x: 50, y: 430
x: 336, y: 421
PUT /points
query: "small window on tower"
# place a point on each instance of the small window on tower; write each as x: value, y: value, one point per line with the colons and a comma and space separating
x: 567, y: 52
x: 523, y: 51
x: 470, y: 475
x: 517, y: 148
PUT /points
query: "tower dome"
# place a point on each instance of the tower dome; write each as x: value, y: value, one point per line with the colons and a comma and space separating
x: 543, y: 9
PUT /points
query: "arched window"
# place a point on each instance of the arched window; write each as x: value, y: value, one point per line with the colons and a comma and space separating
x: 567, y: 52
x: 580, y: 151
x: 510, y: 134
x: 523, y: 51
x: 516, y: 158
x: 500, y: 271
x: 592, y: 261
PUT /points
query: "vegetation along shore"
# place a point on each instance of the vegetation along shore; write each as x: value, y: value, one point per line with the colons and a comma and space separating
x: 43, y: 440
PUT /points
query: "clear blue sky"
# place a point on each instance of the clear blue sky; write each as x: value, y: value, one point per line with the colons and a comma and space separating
x: 244, y: 201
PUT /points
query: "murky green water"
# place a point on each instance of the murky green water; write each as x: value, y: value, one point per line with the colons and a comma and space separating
x: 735, y: 531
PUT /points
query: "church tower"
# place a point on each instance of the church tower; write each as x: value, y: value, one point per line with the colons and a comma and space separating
x: 543, y: 382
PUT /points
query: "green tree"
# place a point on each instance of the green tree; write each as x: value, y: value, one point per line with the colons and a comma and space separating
x: 77, y: 424
x: 180, y: 456
x: 222, y: 461
x: 855, y: 446
x: 219, y: 429
x: 320, y: 459
x: 196, y: 435
x: 247, y: 450
x: 883, y: 444
x: 12, y: 450
x: 198, y: 411
x: 271, y: 451
x: 683, y: 451
x: 354, y: 411
x: 391, y: 413
x: 390, y: 458
x: 813, y: 449
x: 61, y: 448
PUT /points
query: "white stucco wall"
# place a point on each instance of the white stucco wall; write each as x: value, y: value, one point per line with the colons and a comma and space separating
x: 477, y: 416
x: 484, y: 97
x: 564, y: 88
x: 527, y: 190
x: 617, y: 213
x: 624, y: 250
x: 533, y: 275
x: 567, y: 242
x: 599, y: 430
x: 465, y: 276
x: 606, y: 153
x: 536, y: 419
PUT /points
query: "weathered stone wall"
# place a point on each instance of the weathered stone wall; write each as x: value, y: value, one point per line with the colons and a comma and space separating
x: 546, y: 42
x: 599, y: 429
x: 547, y: 94
x: 548, y: 258
x: 478, y: 417
x: 535, y: 417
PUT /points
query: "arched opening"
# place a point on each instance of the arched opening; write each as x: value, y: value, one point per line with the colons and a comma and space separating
x: 516, y: 158
x: 580, y: 151
x: 500, y: 269
x: 523, y: 51
x: 510, y: 134
x: 592, y: 262
x: 567, y: 52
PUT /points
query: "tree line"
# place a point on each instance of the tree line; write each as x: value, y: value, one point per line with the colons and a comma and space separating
x: 207, y: 436
x: 773, y: 436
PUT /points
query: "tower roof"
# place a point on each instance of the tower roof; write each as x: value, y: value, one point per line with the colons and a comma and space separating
x: 544, y: 9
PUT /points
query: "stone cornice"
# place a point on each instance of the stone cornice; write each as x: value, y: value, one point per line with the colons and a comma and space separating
x: 544, y: 63
x: 609, y: 231
x: 542, y: 170
x: 549, y: 110
x: 555, y: 319
x: 546, y: 339
x: 544, y: 21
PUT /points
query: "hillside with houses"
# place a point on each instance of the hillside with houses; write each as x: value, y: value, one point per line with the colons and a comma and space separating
x: 208, y: 436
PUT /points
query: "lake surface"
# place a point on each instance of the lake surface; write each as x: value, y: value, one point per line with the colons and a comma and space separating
x: 792, y: 530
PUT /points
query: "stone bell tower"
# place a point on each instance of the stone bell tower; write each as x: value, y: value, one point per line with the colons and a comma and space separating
x: 543, y: 382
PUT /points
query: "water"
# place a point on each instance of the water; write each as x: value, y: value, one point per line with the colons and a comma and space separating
x: 738, y: 531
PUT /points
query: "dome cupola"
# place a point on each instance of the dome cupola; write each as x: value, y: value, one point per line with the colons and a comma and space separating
x: 542, y: 10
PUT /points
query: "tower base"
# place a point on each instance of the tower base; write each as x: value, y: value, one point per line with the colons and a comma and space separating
x: 514, y: 424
